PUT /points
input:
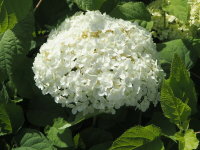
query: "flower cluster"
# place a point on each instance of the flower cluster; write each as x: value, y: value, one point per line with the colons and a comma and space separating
x: 95, y: 62
x: 169, y: 27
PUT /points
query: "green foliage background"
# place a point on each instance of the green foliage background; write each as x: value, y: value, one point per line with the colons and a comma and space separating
x: 32, y: 121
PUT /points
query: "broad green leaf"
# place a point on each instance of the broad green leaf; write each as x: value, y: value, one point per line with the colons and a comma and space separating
x: 34, y: 140
x: 13, y: 43
x: 136, y: 137
x: 131, y: 11
x: 173, y: 108
x: 89, y: 4
x: 191, y: 141
x: 12, y: 12
x: 168, y: 49
x: 178, y: 8
x: 11, y: 118
x: 187, y: 141
x: 181, y: 84
x: 60, y: 137
x: 9, y: 47
x: 22, y: 74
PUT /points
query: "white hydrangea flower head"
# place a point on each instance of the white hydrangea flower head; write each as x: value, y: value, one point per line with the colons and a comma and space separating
x: 95, y: 62
x: 171, y: 27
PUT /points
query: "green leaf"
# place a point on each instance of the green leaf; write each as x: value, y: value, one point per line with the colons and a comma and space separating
x: 187, y: 141
x: 191, y: 141
x: 137, y: 137
x: 11, y: 118
x: 34, y: 140
x: 89, y: 4
x: 13, y: 43
x: 12, y: 12
x: 9, y: 47
x: 58, y: 136
x: 178, y: 8
x: 173, y: 107
x: 131, y: 11
x: 168, y: 49
x: 181, y: 84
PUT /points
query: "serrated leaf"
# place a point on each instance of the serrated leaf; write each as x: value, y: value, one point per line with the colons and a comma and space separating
x: 168, y: 49
x: 131, y: 11
x: 136, y: 137
x: 191, y: 141
x: 34, y: 140
x: 60, y: 137
x: 89, y: 4
x: 187, y: 141
x: 178, y: 8
x: 9, y: 47
x: 13, y: 43
x: 12, y: 12
x: 181, y: 84
x: 11, y: 118
x: 173, y: 107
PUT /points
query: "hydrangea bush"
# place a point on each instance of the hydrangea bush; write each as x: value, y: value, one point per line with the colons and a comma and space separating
x: 99, y: 74
x: 92, y: 61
